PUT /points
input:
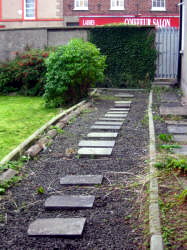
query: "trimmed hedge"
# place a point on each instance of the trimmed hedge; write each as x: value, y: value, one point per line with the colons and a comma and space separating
x: 130, y: 52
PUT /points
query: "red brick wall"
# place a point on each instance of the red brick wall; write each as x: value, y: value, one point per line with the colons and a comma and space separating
x: 132, y: 7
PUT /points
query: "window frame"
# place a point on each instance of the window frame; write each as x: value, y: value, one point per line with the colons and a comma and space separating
x: 159, y: 8
x: 25, y: 10
x: 81, y: 7
x: 117, y: 7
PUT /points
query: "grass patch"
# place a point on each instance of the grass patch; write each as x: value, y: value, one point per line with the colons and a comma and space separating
x: 20, y: 117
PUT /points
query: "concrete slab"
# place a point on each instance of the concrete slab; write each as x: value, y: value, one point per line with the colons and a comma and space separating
x: 105, y: 127
x: 180, y: 151
x: 176, y: 110
x: 81, y: 180
x: 122, y: 102
x: 125, y: 95
x: 172, y: 122
x: 118, y: 112
x: 112, y: 119
x: 109, y: 123
x: 180, y: 138
x: 122, y: 105
x: 95, y: 151
x: 102, y: 135
x: 116, y: 115
x: 57, y: 227
x: 96, y: 143
x: 174, y: 129
x: 69, y: 201
x: 119, y: 109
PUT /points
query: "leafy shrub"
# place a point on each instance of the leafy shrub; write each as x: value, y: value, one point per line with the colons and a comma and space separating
x: 130, y: 52
x: 25, y: 74
x: 71, y: 70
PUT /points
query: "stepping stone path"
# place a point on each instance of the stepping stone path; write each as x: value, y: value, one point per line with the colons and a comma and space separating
x: 105, y: 127
x: 125, y: 95
x: 179, y: 132
x: 109, y: 123
x: 102, y: 135
x: 81, y: 180
x: 57, y: 227
x: 95, y: 151
x: 112, y: 120
x: 69, y: 201
x: 96, y: 143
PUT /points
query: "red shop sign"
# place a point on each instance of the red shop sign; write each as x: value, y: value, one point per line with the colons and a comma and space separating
x: 164, y: 21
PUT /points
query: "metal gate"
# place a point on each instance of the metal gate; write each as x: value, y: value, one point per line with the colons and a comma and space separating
x: 167, y: 44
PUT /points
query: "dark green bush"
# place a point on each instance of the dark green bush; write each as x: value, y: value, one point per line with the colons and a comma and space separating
x: 25, y: 74
x: 130, y: 54
x: 71, y: 70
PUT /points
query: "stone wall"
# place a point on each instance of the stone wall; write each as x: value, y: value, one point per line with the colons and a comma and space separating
x: 17, y: 40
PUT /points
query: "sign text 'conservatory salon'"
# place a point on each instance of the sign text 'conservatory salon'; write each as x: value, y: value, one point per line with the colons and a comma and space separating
x: 157, y: 21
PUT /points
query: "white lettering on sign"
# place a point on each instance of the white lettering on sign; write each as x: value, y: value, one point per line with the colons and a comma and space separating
x: 89, y: 22
x: 148, y: 21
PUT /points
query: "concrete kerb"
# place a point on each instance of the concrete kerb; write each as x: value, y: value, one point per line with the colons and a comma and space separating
x: 60, y: 121
x: 156, y: 242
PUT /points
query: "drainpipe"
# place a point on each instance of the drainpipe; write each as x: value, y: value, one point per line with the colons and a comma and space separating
x: 180, y: 44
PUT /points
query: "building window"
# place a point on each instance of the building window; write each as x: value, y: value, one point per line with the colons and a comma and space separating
x: 117, y: 5
x: 29, y: 9
x: 158, y: 5
x: 81, y: 5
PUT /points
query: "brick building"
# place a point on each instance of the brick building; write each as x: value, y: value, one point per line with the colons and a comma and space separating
x: 31, y: 13
x: 162, y: 13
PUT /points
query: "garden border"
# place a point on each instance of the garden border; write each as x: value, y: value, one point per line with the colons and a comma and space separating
x: 41, y: 143
x: 156, y: 242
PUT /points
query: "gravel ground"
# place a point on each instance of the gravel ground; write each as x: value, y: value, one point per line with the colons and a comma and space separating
x: 112, y: 223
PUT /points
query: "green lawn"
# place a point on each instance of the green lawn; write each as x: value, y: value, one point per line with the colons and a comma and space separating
x: 19, y: 118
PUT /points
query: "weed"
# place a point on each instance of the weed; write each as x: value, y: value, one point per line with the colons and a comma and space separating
x: 165, y: 137
x: 40, y: 190
x: 171, y: 163
x: 145, y: 120
x: 59, y: 130
x: 182, y: 197
x: 16, y: 165
x: 85, y: 111
x: 72, y: 120
x: 169, y: 147
x: 6, y: 184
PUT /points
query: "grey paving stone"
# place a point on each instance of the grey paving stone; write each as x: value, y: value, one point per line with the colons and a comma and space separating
x: 81, y: 180
x: 102, y: 135
x: 116, y: 115
x: 122, y: 102
x: 96, y: 143
x: 180, y: 138
x: 181, y: 151
x: 95, y: 151
x: 57, y: 227
x: 172, y: 122
x: 111, y: 119
x: 108, y: 123
x: 180, y: 129
x: 105, y: 127
x: 122, y: 105
x: 118, y: 112
x: 124, y: 95
x: 69, y: 201
x: 119, y: 109
x: 177, y: 110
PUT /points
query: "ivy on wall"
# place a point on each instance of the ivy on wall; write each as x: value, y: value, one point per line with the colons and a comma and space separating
x: 130, y: 52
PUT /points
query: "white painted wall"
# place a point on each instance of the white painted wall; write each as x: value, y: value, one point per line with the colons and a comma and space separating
x: 184, y: 56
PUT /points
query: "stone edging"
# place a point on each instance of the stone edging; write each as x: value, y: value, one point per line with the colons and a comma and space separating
x: 156, y: 242
x: 41, y: 144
